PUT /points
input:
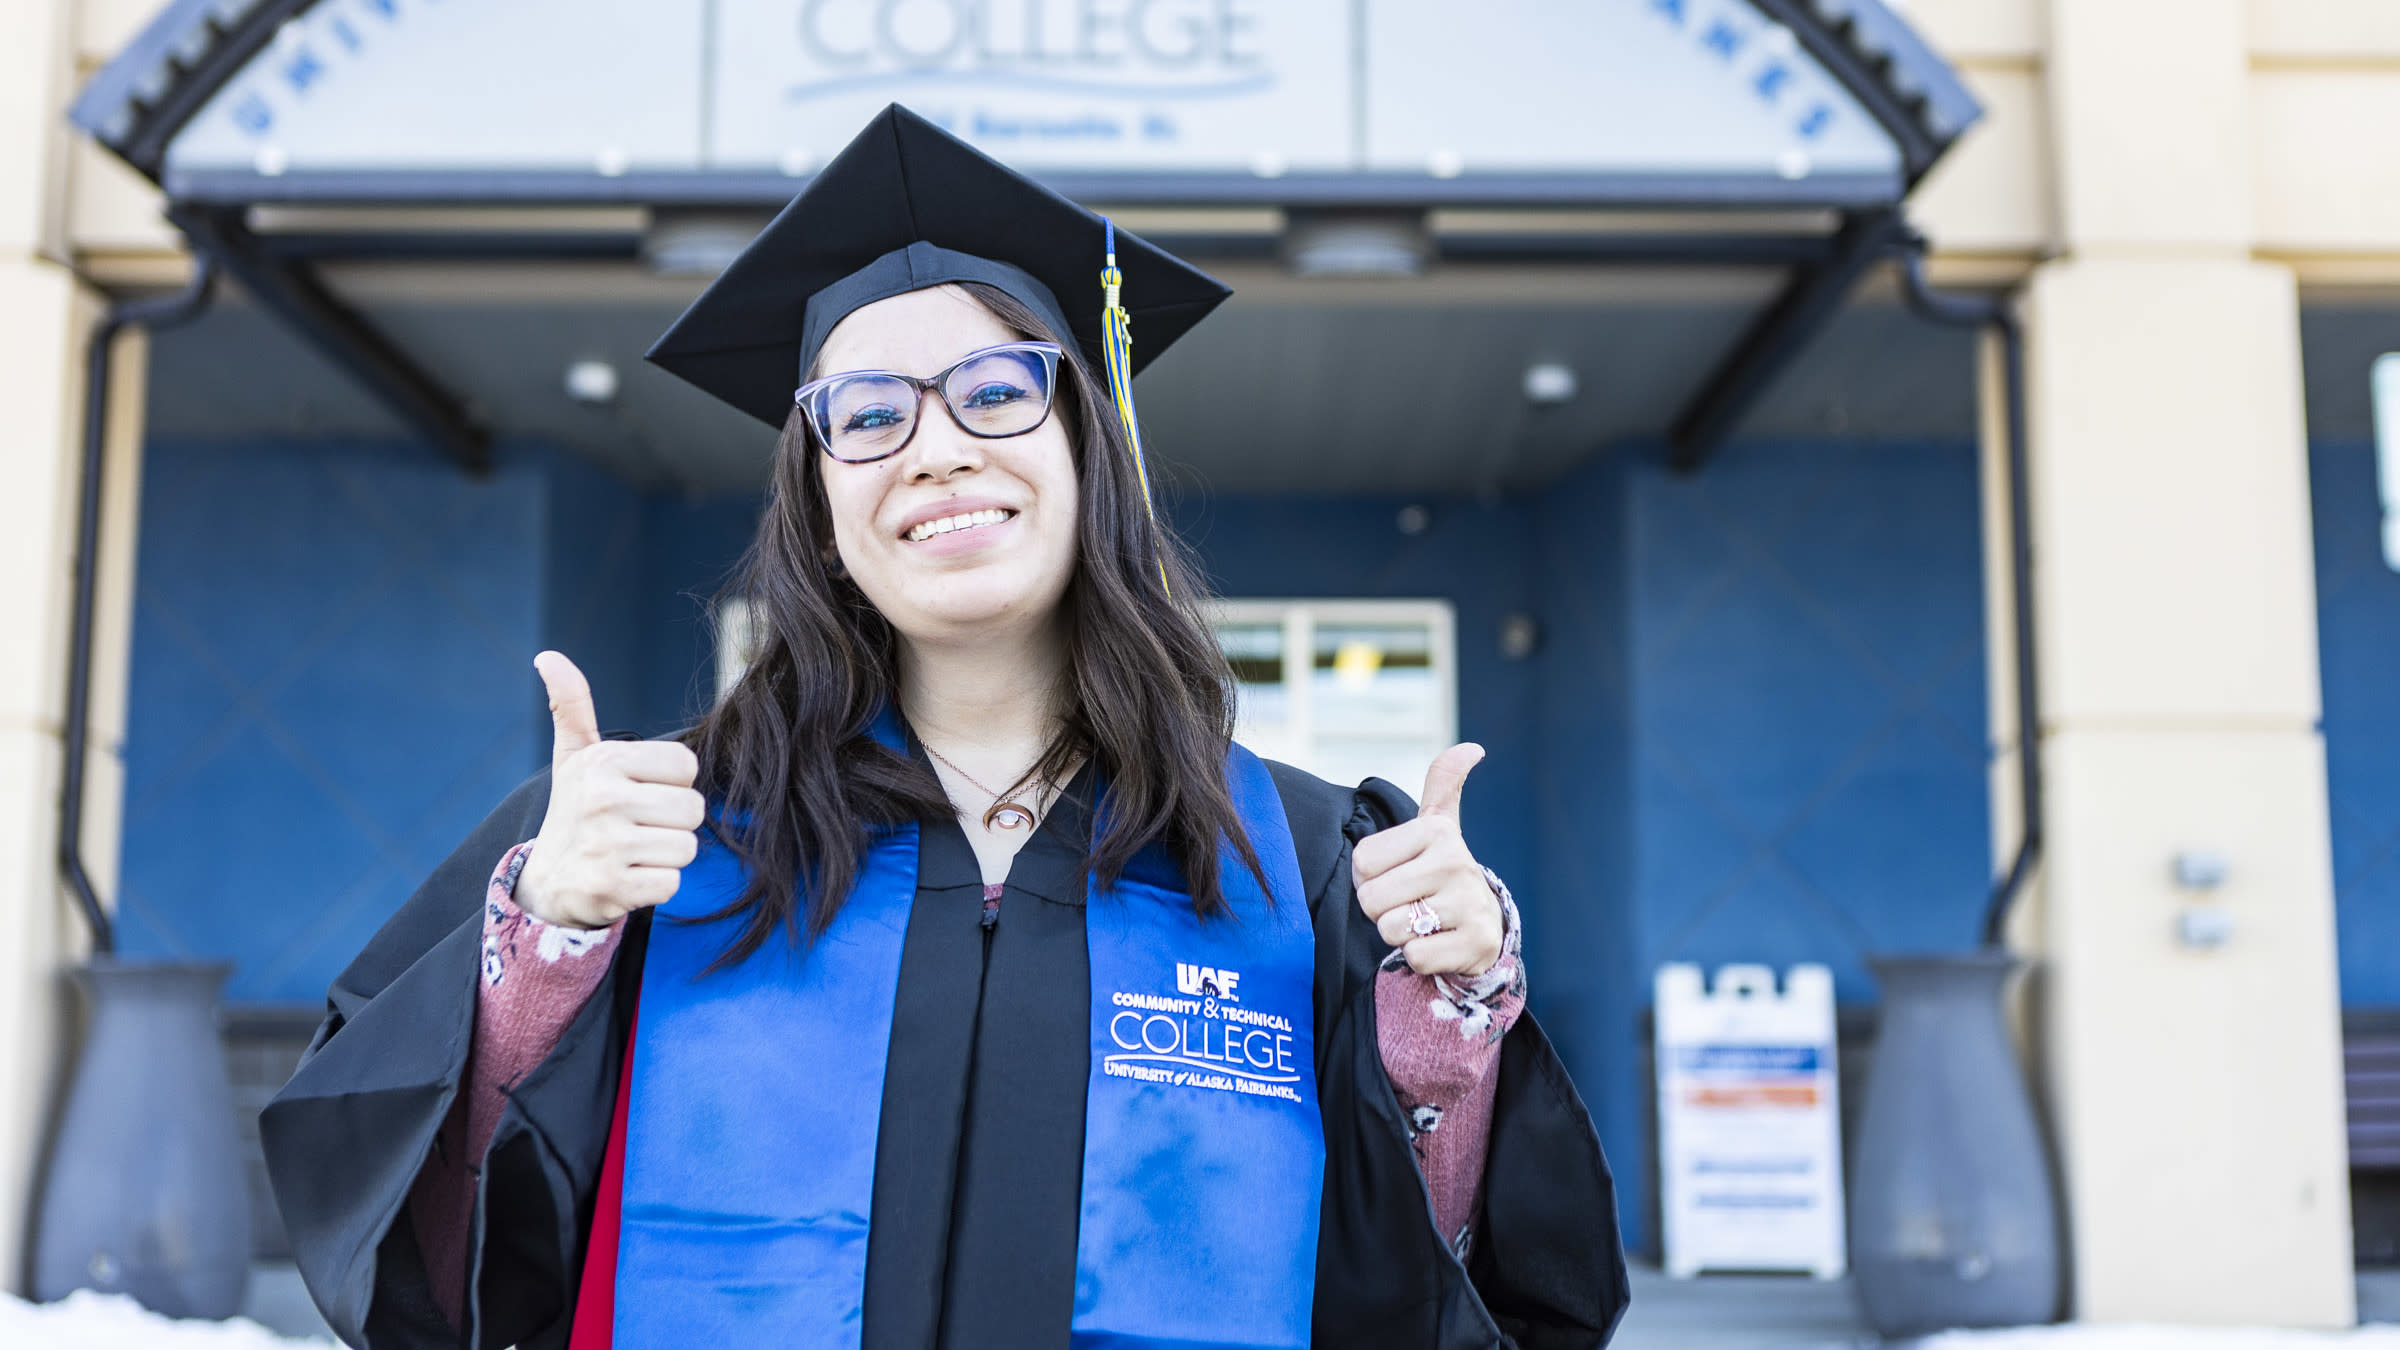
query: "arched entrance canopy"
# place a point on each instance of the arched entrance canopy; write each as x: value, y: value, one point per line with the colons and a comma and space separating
x: 1832, y: 107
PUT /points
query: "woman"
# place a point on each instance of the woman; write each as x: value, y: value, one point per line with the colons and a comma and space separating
x: 1115, y: 1035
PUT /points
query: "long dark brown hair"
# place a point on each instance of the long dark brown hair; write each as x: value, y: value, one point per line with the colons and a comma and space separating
x: 787, y: 752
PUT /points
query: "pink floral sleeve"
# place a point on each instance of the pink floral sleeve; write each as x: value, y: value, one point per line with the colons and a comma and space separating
x: 535, y: 977
x: 1440, y: 1039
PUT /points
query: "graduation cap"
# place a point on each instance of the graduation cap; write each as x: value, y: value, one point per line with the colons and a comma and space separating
x: 907, y: 205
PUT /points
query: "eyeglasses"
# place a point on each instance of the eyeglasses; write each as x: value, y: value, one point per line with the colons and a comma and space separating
x: 863, y: 415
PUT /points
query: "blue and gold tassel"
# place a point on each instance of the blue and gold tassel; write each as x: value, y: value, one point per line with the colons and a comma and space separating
x: 1116, y: 350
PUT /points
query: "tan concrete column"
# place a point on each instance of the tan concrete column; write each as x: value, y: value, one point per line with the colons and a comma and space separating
x: 2196, y: 1094
x: 45, y: 314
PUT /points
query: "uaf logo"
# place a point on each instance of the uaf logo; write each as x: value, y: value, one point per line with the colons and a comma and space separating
x: 1206, y: 981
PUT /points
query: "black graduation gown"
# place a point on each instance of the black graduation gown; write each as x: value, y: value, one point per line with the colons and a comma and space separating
x: 979, y: 1152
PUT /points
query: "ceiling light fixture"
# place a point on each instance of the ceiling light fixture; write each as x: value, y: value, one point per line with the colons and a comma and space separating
x: 1548, y: 383
x: 1357, y: 244
x: 697, y: 244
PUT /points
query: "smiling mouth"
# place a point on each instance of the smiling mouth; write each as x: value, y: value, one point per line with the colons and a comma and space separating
x: 965, y: 520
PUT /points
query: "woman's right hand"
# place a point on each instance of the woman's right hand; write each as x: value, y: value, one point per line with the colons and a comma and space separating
x: 622, y: 818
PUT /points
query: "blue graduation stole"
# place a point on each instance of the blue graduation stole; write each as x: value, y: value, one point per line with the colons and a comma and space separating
x: 756, y: 1096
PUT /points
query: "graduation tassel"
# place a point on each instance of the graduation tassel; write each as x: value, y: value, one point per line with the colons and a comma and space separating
x: 1116, y: 350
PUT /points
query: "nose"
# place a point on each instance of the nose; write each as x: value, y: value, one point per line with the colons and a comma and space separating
x: 941, y: 449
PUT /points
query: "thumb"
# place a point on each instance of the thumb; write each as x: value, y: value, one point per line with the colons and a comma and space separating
x: 1446, y: 780
x: 573, y: 723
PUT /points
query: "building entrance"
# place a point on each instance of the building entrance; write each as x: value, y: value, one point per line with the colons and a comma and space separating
x: 1588, y: 426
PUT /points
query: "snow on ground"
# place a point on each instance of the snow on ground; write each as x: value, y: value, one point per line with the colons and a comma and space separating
x: 88, y: 1321
x: 2165, y: 1338
x: 85, y: 1320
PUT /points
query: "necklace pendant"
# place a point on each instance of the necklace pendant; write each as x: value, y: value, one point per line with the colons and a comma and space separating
x: 1007, y: 816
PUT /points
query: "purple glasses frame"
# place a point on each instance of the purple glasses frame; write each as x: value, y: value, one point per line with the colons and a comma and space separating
x: 1050, y: 352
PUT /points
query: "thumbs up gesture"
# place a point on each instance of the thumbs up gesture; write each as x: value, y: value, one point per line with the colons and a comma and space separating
x: 1424, y: 890
x: 621, y: 820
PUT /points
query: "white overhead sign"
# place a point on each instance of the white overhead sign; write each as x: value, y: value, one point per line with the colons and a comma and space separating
x: 1153, y: 84
x: 1256, y: 87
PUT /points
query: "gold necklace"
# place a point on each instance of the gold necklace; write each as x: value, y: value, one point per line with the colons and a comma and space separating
x: 1002, y: 814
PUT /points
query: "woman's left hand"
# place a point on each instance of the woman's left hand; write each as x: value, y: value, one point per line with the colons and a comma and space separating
x: 1426, y: 860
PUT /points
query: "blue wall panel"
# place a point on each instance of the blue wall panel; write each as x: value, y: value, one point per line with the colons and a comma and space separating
x: 2358, y: 632
x: 1806, y: 712
x: 594, y: 567
x: 317, y: 634
x: 692, y: 545
x: 333, y: 680
x: 1585, y: 982
x: 1807, y: 676
x: 1753, y: 730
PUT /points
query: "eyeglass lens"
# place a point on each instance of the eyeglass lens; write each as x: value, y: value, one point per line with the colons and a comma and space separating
x: 1004, y: 392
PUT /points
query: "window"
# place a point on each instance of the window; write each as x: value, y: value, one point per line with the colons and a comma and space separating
x: 1346, y: 689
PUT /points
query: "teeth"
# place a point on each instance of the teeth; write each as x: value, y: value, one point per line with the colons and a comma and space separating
x: 946, y: 524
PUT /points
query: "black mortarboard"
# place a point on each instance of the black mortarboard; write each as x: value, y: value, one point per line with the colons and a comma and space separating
x: 904, y: 206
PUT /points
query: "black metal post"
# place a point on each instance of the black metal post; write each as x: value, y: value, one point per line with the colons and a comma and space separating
x: 1966, y: 311
x: 293, y: 292
x: 162, y: 312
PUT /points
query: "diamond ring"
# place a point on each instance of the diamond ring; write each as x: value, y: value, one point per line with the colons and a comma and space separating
x: 1422, y: 921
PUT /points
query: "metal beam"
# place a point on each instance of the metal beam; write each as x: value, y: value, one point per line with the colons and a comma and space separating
x: 1529, y: 247
x: 450, y: 246
x: 292, y: 291
x: 725, y: 189
x: 1809, y: 300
